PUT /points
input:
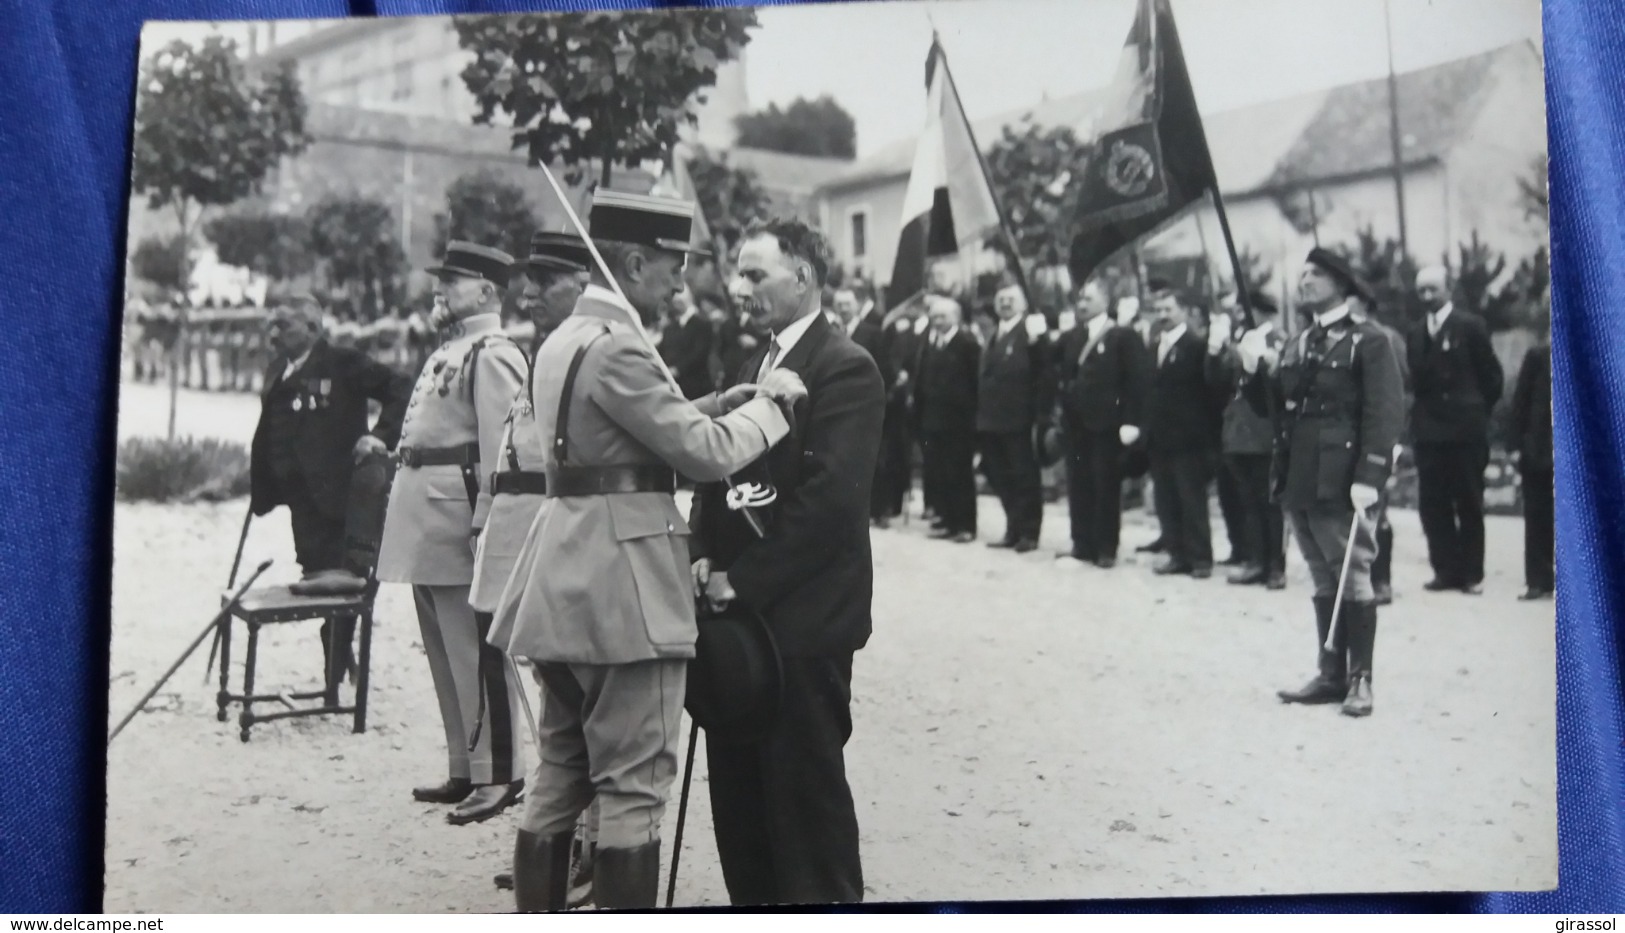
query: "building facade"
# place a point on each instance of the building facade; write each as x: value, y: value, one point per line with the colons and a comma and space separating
x: 1315, y: 168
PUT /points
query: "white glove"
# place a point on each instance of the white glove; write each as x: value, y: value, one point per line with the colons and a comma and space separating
x: 1363, y: 496
x: 1218, y: 333
x: 1066, y: 320
x: 1128, y: 434
x: 1036, y: 326
x: 1254, y: 351
x: 717, y: 591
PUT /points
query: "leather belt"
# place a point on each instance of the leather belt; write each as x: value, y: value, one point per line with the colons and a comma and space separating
x: 519, y: 483
x: 461, y: 455
x: 609, y: 480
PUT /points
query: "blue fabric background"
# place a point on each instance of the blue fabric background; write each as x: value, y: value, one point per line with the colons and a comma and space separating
x: 67, y: 73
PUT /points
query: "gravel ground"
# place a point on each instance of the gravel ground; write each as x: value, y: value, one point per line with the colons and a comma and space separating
x: 1024, y: 728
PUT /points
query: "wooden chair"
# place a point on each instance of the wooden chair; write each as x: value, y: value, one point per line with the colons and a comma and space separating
x: 342, y: 613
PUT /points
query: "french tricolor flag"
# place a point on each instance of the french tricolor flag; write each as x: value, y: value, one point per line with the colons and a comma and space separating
x: 949, y: 207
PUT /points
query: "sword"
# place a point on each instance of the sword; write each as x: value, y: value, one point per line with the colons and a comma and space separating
x: 1342, y: 581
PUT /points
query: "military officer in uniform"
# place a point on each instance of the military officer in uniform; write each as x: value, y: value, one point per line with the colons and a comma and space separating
x: 450, y: 445
x: 1340, y: 401
x: 554, y: 273
x: 601, y: 601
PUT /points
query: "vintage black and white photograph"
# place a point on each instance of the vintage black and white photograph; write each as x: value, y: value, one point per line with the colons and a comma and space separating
x: 835, y: 453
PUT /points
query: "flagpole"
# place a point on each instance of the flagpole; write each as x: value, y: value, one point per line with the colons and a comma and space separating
x: 987, y: 176
x: 1393, y: 130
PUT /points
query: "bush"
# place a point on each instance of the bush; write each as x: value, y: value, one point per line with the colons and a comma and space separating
x: 183, y: 470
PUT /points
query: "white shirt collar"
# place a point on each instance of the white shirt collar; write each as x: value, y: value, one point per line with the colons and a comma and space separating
x: 1436, y: 319
x: 1005, y: 327
x: 1332, y: 315
x: 294, y: 364
x: 1172, y: 335
x: 852, y: 326
x: 941, y: 340
x: 687, y: 315
x: 792, y: 334
x: 1098, y: 323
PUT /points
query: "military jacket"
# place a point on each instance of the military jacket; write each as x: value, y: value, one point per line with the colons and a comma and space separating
x: 1339, y: 407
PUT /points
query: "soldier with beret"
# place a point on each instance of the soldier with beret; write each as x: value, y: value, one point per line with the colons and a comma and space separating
x: 451, y: 443
x: 1340, y: 404
x: 601, y: 601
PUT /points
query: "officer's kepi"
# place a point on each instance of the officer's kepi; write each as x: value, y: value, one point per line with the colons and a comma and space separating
x: 1336, y: 267
x: 644, y: 220
x: 558, y: 252
x: 473, y: 261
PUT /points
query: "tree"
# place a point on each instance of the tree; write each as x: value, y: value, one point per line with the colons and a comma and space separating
x: 729, y: 196
x: 607, y: 85
x: 161, y: 261
x: 1533, y: 193
x: 276, y: 246
x: 360, y: 256
x: 1391, y: 273
x: 1037, y: 175
x: 820, y: 127
x: 206, y: 135
x: 486, y: 208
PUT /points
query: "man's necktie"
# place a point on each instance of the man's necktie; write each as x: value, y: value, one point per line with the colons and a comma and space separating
x: 771, y: 360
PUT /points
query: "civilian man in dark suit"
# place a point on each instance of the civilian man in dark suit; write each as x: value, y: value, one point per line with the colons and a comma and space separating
x: 945, y: 418
x: 311, y: 432
x: 867, y: 331
x: 1181, y: 438
x: 786, y: 827
x: 1247, y: 439
x: 1532, y: 432
x: 1014, y: 397
x: 686, y: 348
x: 1458, y: 380
x: 1104, y: 373
x: 900, y: 344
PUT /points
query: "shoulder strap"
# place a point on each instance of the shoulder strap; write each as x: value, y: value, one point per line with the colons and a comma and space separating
x: 561, y: 427
x: 473, y: 355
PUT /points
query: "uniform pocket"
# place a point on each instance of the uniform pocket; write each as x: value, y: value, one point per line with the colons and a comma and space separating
x: 1335, y: 470
x: 445, y: 483
x: 652, y: 539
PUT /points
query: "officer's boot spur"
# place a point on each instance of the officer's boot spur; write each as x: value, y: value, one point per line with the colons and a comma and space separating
x: 1328, y: 686
x: 541, y: 871
x: 1362, y: 646
x: 627, y: 878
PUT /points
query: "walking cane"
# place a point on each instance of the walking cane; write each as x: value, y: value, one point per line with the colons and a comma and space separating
x: 214, y: 624
x: 1343, y: 579
x: 682, y: 813
x: 236, y: 561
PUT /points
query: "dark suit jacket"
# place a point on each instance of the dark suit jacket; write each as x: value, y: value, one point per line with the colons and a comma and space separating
x: 812, y: 577
x: 332, y: 389
x: 872, y: 338
x: 902, y: 350
x: 1531, y: 410
x: 945, y: 384
x: 1109, y: 389
x: 1015, y: 389
x: 1456, y: 378
x: 686, y: 348
x: 1183, y: 411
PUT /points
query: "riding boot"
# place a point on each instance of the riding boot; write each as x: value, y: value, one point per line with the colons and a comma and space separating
x: 541, y: 871
x: 1382, y: 568
x: 627, y: 878
x: 1362, y: 643
x: 1329, y: 685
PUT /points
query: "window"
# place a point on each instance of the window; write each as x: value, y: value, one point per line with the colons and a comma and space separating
x: 860, y: 232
